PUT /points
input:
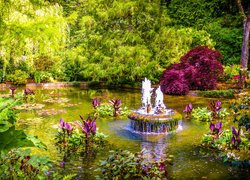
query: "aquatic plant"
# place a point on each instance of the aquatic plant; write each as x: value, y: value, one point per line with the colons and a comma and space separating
x: 66, y: 127
x: 70, y: 138
x: 215, y: 107
x: 20, y: 164
x: 201, y: 114
x: 50, y: 112
x: 12, y: 90
x: 216, y: 129
x: 236, y: 138
x: 117, y: 103
x: 96, y: 103
x: 28, y: 91
x: 88, y: 127
x: 122, y: 164
x: 104, y: 110
x: 188, y: 109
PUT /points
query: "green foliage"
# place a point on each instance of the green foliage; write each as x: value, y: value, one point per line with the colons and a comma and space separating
x: 19, y: 164
x: 228, y: 41
x: 122, y: 164
x: 28, y: 31
x: 105, y: 110
x: 42, y: 76
x: 231, y: 71
x: 217, y: 93
x: 240, y: 109
x: 124, y: 41
x: 19, y: 77
x: 223, y: 113
x: 7, y: 129
x: 223, y: 144
x: 201, y: 114
x: 219, y: 18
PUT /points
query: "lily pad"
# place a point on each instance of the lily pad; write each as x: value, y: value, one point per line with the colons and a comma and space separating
x: 36, y: 120
x: 56, y: 100
x: 50, y: 112
x: 56, y: 95
x: 68, y: 105
x: 5, y: 95
x: 29, y: 106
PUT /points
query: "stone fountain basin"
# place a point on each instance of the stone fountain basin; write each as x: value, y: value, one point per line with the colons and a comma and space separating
x: 156, y: 123
x: 174, y: 116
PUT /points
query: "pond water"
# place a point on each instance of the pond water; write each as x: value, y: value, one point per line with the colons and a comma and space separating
x: 182, y: 144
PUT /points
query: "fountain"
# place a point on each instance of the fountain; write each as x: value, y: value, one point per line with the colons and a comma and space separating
x: 155, y: 118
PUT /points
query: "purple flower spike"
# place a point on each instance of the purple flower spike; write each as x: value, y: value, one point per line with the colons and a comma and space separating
x: 95, y: 103
x: 212, y: 127
x: 162, y: 166
x: 88, y: 126
x: 234, y: 131
x: 62, y: 164
x: 218, y: 106
x: 236, y: 139
x: 218, y: 126
x: 188, y: 109
x: 216, y: 129
x: 233, y: 140
x: 62, y: 123
x: 66, y: 126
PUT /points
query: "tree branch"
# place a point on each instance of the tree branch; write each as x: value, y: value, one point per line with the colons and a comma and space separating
x: 241, y: 10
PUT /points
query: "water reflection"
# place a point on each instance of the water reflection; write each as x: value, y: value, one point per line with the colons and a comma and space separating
x: 154, y: 150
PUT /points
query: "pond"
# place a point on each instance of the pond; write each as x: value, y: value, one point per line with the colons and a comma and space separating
x: 183, y: 144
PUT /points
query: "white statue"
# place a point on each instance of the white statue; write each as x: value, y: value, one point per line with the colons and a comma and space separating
x: 146, y: 93
x: 159, y: 98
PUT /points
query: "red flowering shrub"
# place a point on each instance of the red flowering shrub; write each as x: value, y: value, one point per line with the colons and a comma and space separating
x: 175, y: 82
x: 198, y: 70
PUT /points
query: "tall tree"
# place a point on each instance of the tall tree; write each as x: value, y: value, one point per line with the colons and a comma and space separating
x: 246, y: 30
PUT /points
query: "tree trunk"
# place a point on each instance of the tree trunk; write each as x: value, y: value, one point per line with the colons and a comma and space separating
x: 245, y: 43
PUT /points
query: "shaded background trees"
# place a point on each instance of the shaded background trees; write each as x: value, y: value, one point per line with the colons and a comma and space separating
x: 112, y: 41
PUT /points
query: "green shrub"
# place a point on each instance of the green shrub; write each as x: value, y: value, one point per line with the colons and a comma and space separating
x: 231, y: 71
x: 217, y: 93
x: 19, y: 77
x: 42, y: 76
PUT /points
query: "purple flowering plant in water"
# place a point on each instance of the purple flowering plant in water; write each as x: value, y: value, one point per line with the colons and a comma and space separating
x: 236, y: 139
x: 12, y: 90
x: 188, y: 109
x: 215, y: 107
x: 66, y: 127
x: 96, y: 103
x: 88, y: 127
x: 216, y: 129
x: 117, y: 103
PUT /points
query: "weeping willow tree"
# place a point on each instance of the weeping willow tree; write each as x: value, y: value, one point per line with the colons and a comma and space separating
x: 30, y: 29
x: 124, y: 41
